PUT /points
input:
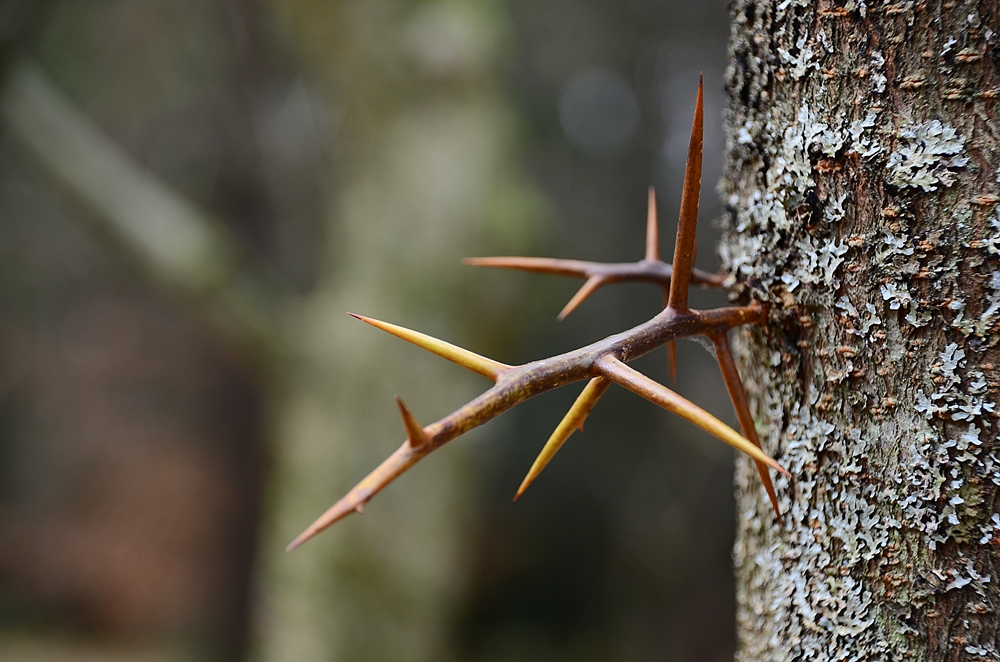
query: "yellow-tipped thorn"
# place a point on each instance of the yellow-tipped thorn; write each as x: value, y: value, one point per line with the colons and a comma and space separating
x: 655, y: 392
x: 463, y: 357
x: 592, y: 284
x: 573, y: 420
x: 415, y: 434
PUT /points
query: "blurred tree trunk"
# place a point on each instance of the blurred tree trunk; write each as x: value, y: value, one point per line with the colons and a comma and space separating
x: 861, y: 183
x: 422, y: 160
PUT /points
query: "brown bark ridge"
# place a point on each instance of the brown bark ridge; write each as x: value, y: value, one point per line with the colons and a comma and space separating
x: 863, y: 203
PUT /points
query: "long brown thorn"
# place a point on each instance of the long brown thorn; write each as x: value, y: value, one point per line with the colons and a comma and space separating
x: 734, y: 385
x: 650, y: 268
x: 686, y: 226
x: 353, y: 502
x: 642, y: 385
x: 643, y: 271
x: 545, y: 265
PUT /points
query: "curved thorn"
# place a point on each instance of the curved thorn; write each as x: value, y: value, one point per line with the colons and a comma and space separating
x: 684, y: 246
x: 354, y: 501
x: 592, y: 284
x: 642, y: 385
x: 472, y: 361
x: 652, y: 229
x: 545, y: 265
x: 572, y: 421
x: 415, y: 434
x: 734, y: 385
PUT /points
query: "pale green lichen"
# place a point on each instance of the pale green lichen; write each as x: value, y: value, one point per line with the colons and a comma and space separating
x: 926, y: 156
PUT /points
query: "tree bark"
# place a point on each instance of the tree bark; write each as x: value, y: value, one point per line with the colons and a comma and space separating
x: 862, y: 194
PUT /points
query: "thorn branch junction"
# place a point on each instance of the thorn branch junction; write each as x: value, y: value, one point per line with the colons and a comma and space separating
x: 601, y: 363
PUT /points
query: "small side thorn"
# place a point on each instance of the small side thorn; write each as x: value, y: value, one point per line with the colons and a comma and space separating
x: 415, y: 434
x: 591, y: 286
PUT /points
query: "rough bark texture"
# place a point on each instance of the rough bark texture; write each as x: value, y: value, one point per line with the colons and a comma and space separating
x: 862, y: 188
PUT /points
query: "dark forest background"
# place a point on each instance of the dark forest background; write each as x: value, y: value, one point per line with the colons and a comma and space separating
x: 143, y: 462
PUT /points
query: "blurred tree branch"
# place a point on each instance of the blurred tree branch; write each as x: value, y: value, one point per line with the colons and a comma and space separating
x: 176, y: 245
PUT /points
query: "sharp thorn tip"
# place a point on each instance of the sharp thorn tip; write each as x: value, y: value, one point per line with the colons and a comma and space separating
x: 472, y: 361
x: 295, y: 544
x: 415, y: 434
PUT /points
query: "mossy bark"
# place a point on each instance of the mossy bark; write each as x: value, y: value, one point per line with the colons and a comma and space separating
x: 862, y: 193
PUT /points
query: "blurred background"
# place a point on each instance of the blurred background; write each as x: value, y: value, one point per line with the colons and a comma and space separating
x: 193, y: 192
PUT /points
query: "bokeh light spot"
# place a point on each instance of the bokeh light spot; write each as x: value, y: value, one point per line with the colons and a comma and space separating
x: 598, y: 111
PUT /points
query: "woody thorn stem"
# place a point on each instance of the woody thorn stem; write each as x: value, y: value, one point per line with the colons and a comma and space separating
x: 600, y: 364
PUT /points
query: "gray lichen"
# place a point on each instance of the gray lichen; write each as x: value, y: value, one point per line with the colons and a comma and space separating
x: 926, y: 156
x: 877, y: 243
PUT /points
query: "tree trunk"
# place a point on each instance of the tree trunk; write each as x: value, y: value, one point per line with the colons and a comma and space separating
x: 861, y: 184
x: 425, y: 158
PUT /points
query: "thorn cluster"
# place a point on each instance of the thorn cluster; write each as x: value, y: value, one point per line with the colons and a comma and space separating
x: 602, y: 363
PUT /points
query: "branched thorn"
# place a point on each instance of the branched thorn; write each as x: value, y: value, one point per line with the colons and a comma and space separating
x: 602, y: 363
